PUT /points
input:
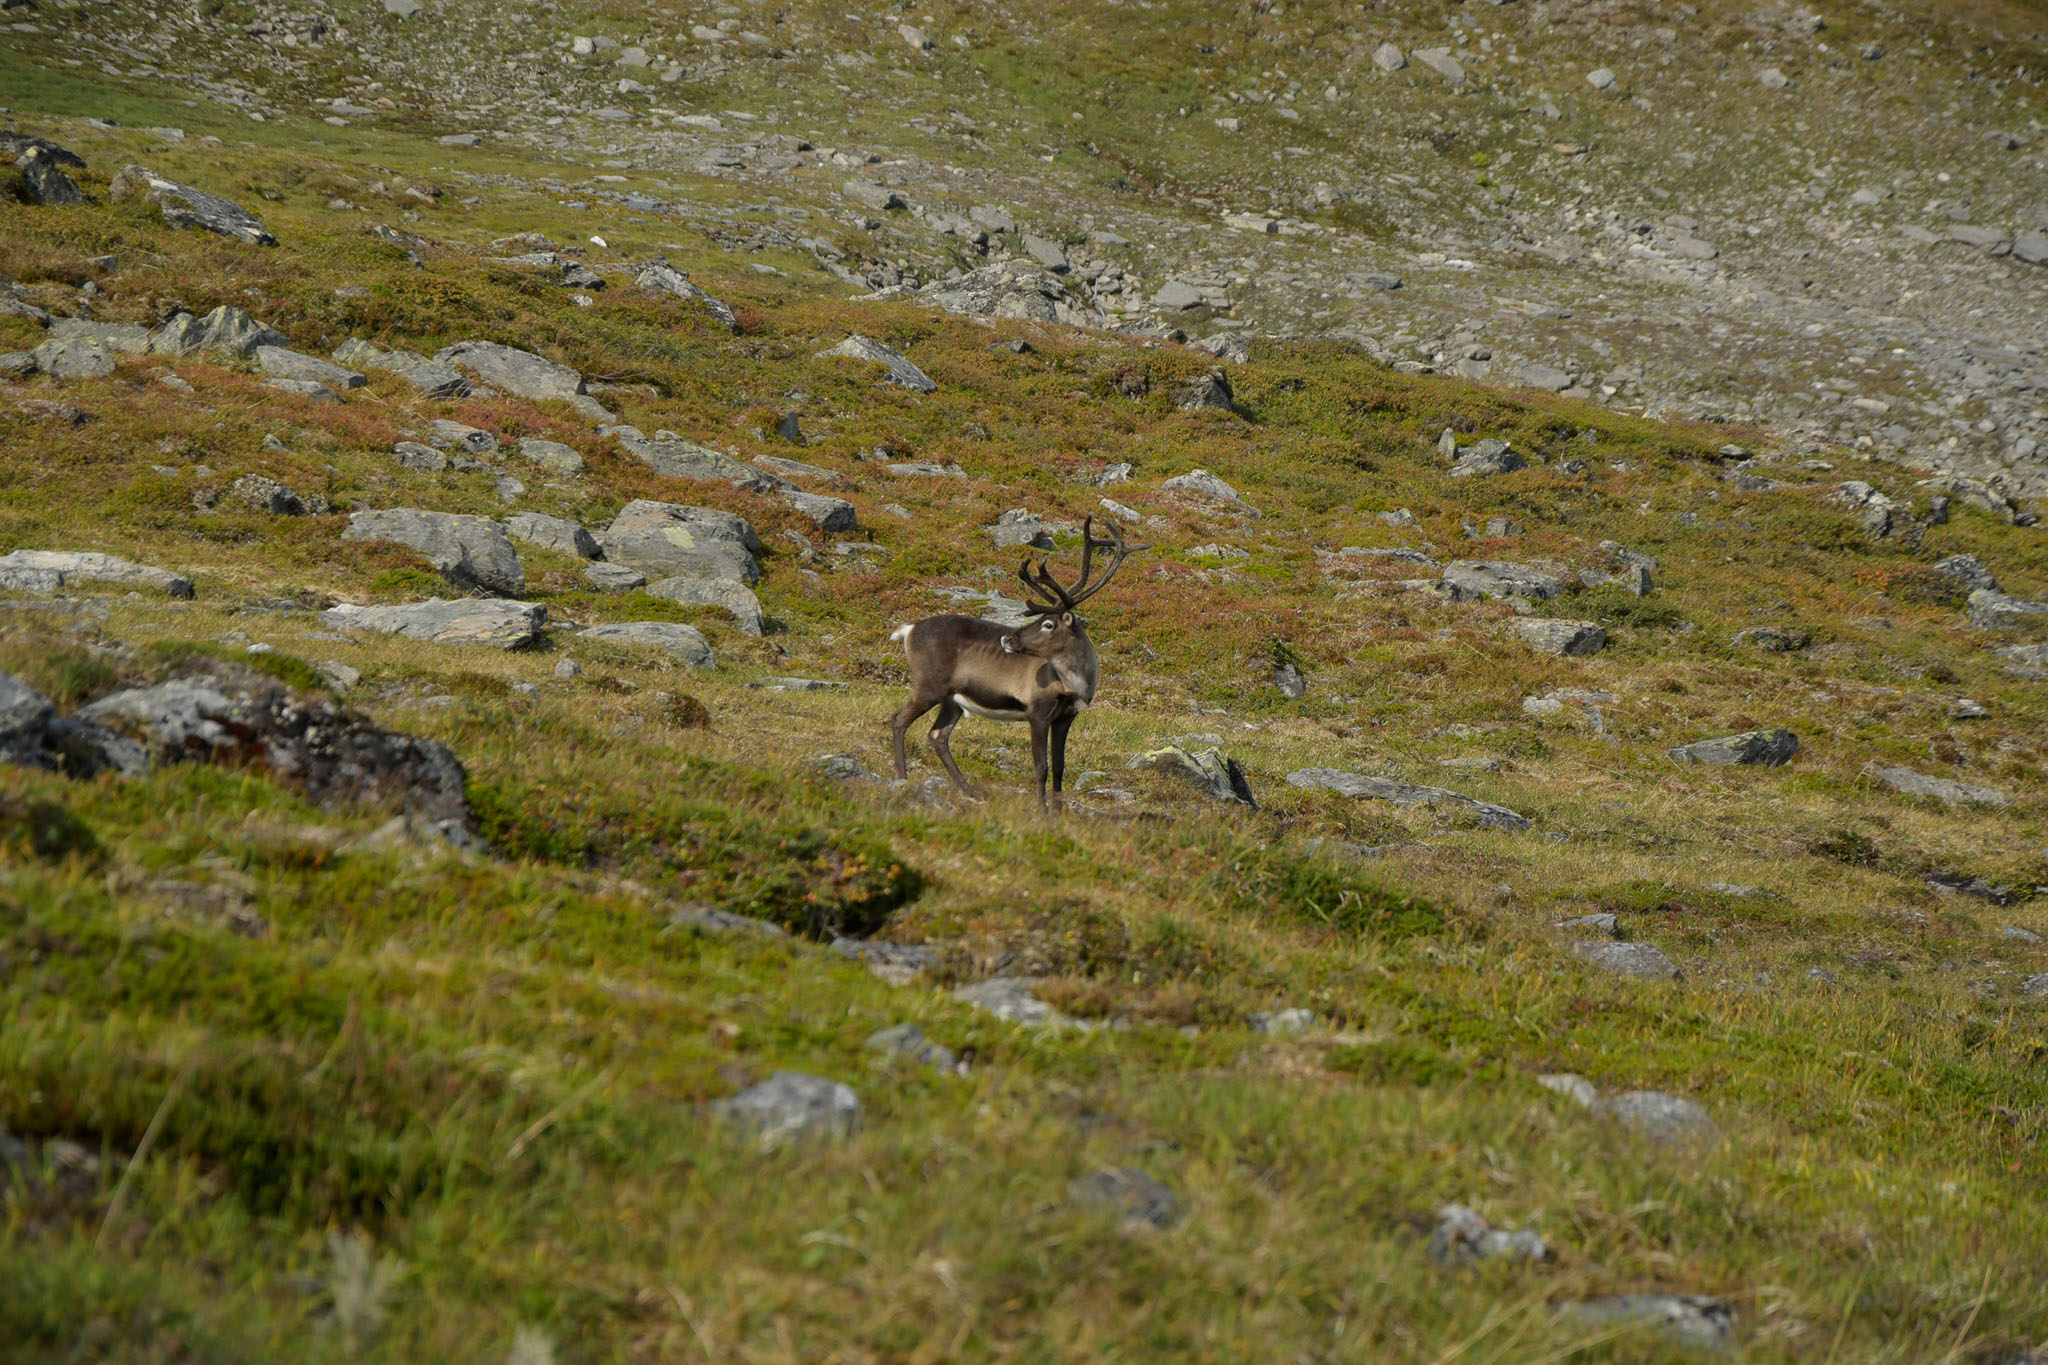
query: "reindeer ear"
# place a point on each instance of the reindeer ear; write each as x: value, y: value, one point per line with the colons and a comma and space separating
x: 1067, y: 619
x: 1011, y: 644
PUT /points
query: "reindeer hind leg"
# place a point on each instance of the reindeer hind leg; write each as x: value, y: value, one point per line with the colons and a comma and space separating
x: 942, y: 741
x: 905, y: 717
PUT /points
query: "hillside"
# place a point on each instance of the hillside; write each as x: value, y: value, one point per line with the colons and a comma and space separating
x: 1591, y: 520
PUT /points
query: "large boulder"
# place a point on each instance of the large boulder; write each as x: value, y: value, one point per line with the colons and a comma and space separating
x: 1968, y: 573
x: 2000, y: 611
x: 1202, y: 484
x: 523, y: 374
x: 184, y: 207
x: 128, y: 338
x: 45, y: 571
x: 831, y: 514
x: 279, y: 363
x: 470, y: 552
x: 1494, y: 578
x: 685, y: 643
x: 432, y: 378
x: 552, y: 533
x: 45, y: 180
x: 669, y: 539
x: 489, y: 622
x: 1365, y: 788
x: 901, y: 371
x: 1752, y: 748
x: 234, y: 716
x: 1642, y: 961
x: 1561, y: 637
x: 73, y: 358
x: 661, y: 277
x: 1207, y: 770
x: 223, y: 329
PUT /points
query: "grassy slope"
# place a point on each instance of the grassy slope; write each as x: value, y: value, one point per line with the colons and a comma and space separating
x: 496, y: 1070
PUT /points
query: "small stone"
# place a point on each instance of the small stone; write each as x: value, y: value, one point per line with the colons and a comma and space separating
x: 1998, y: 611
x: 268, y: 495
x: 1658, y: 1116
x: 1763, y: 748
x: 1201, y: 483
x: 685, y: 643
x: 1564, y: 638
x: 1946, y: 790
x: 553, y: 533
x: 1603, y: 925
x: 792, y: 1107
x: 1575, y: 1088
x: 1009, y: 998
x: 901, y: 371
x: 908, y: 1040
x: 1687, y: 1318
x: 489, y: 622
x: 1462, y: 1236
x: 869, y: 195
x: 1600, y: 79
x: 1222, y: 778
x: 566, y: 669
x: 1639, y: 960
x: 1362, y: 787
x: 1211, y: 390
x: 1387, y: 57
x: 613, y: 577
x: 1282, y: 1022
x: 551, y: 455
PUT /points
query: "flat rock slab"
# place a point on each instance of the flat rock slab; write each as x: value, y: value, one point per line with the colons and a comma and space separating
x: 470, y: 552
x: 1657, y: 1116
x: 1752, y: 748
x: 736, y: 598
x: 1563, y: 638
x: 1406, y: 794
x: 523, y: 374
x: 45, y: 571
x: 680, y: 459
x: 432, y: 379
x: 1009, y: 998
x: 1140, y: 1203
x: 662, y: 277
x: 1495, y: 578
x: 2000, y: 611
x: 128, y: 338
x: 682, y: 642
x: 665, y: 539
x: 1643, y: 961
x: 73, y: 358
x: 552, y: 533
x: 792, y: 1107
x: 1909, y: 783
x: 490, y: 622
x: 901, y: 371
x: 279, y: 363
x: 184, y: 207
x: 710, y: 919
x: 1690, y: 1319
x: 896, y: 963
x: 1207, y: 769
x: 551, y: 455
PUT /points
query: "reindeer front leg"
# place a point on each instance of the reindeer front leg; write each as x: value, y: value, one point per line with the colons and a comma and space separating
x: 1059, y: 758
x: 1041, y: 721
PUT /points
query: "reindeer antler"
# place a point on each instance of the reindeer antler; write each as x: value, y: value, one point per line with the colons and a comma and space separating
x: 1063, y: 598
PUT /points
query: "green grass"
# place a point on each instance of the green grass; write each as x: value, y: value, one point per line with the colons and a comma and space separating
x: 497, y: 1070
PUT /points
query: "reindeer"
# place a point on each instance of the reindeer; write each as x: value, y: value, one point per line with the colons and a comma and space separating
x: 1041, y: 673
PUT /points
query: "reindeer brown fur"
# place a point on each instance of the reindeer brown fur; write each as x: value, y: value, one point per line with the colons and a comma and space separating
x: 1042, y: 673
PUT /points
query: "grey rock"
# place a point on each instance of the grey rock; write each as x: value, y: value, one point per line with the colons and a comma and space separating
x: 665, y: 278
x: 185, y: 207
x: 25, y: 718
x: 1234, y: 350
x: 1487, y: 457
x: 2035, y: 986
x: 708, y: 919
x: 474, y: 442
x: 423, y: 459
x: 470, y: 552
x: 1009, y: 999
x: 1375, y: 283
x: 1289, y: 679
x: 339, y: 675
x: 901, y: 371
x: 1655, y: 1115
x: 552, y: 533
x: 685, y: 643
x: 73, y: 358
x: 45, y: 571
x: 1441, y: 61
x: 1387, y: 57
x: 1281, y: 1022
x: 223, y: 329
x: 790, y: 1107
x: 522, y: 374
x: 1178, y: 296
x: 268, y: 495
x: 1602, y: 924
x: 2027, y: 661
x: 1575, y: 1088
x: 122, y: 337
x: 1211, y: 390
x: 991, y: 218
x: 1019, y: 527
x: 1772, y: 640
x: 1999, y: 611
x: 1640, y: 960
x: 614, y: 577
x: 2031, y: 247
x: 1499, y: 579
x: 1202, y: 484
x: 45, y: 180
x: 1946, y: 790
x: 431, y: 378
x: 926, y: 470
x: 2018, y: 935
x: 310, y: 389
x: 486, y: 621
x: 869, y: 195
x: 1548, y: 378
x: 736, y: 598
x: 1045, y: 251
x: 1967, y: 572
x: 1462, y: 1236
x: 790, y: 429
x: 667, y: 539
x: 682, y: 459
x: 1140, y: 1202
x: 279, y: 363
x: 832, y: 515
x: 1561, y: 637
x: 551, y: 455
x: 1688, y: 1319
x: 795, y: 469
x: 1601, y: 78
x: 908, y: 1041
x: 1222, y: 778
x: 1364, y: 788
x: 1763, y: 748
x: 565, y: 669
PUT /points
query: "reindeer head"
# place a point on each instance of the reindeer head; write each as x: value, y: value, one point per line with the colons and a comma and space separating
x: 1056, y: 628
